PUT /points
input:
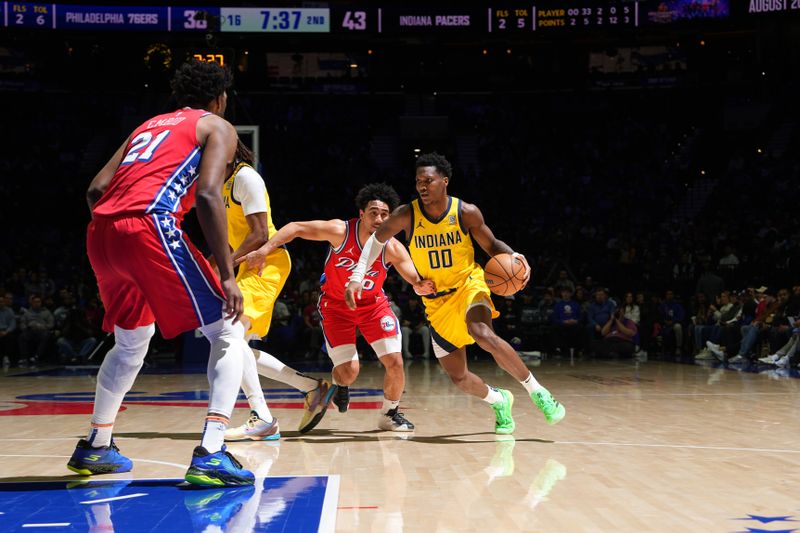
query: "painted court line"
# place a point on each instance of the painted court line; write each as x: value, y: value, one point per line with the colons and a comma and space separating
x: 153, y: 461
x: 678, y: 446
x: 54, y: 524
x: 327, y: 518
x: 104, y: 500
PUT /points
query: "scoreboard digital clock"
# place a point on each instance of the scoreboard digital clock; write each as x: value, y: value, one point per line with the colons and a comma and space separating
x: 550, y: 16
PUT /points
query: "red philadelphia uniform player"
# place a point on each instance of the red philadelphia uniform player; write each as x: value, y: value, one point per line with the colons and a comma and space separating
x: 148, y: 271
x: 374, y: 316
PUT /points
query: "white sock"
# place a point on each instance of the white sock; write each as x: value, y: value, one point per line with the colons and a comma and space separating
x: 252, y: 388
x: 530, y: 384
x: 117, y: 373
x: 214, y: 433
x: 388, y: 405
x: 493, y: 396
x: 100, y: 434
x: 269, y: 366
x: 225, y: 363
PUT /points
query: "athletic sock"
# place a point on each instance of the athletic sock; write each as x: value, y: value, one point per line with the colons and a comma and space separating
x: 269, y: 366
x: 100, y: 435
x: 530, y: 384
x: 252, y: 388
x: 388, y: 405
x: 493, y: 396
x: 214, y: 433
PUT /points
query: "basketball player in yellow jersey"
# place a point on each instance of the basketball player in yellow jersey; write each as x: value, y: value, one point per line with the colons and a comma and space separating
x: 440, y: 230
x: 249, y: 226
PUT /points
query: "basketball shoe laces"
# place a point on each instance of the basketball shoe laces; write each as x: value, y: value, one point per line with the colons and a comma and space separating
x: 398, y: 418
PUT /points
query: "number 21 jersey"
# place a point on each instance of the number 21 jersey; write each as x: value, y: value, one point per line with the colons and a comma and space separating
x: 159, y: 169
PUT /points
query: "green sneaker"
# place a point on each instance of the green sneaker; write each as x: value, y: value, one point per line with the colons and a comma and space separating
x: 553, y: 411
x: 504, y: 423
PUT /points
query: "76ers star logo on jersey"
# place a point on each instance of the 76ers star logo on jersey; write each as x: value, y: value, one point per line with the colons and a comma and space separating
x: 388, y: 323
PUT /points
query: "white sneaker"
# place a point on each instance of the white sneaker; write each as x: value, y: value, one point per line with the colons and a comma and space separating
x: 704, y: 355
x: 716, y: 349
x: 783, y: 362
x: 254, y: 429
x: 770, y: 359
x: 737, y: 359
x: 394, y: 421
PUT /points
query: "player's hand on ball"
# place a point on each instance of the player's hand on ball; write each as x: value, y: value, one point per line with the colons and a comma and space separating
x: 424, y: 287
x: 527, y: 266
x: 352, y: 292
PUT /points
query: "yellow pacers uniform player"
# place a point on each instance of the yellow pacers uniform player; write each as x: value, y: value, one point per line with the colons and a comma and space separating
x: 250, y: 226
x: 440, y: 231
x: 259, y: 292
x: 442, y: 251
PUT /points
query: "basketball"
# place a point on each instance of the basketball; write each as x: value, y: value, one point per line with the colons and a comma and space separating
x: 505, y: 274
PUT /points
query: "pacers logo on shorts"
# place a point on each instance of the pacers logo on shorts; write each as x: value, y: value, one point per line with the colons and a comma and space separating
x: 388, y: 323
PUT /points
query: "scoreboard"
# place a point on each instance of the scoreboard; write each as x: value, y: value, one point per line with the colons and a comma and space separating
x: 547, y: 16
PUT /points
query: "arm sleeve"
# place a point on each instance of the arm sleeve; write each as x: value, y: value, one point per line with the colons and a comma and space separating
x: 372, y: 249
x: 250, y: 191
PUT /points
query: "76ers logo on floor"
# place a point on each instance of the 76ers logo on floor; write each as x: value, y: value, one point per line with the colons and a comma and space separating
x: 388, y: 323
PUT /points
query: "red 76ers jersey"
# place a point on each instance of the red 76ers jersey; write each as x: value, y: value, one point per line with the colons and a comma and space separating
x: 342, y: 260
x: 159, y: 170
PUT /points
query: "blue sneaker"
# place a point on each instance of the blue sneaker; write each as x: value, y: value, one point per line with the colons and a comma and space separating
x: 215, y: 507
x: 88, y: 461
x: 219, y: 469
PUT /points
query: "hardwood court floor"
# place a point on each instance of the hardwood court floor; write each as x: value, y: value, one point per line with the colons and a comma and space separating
x: 652, y: 446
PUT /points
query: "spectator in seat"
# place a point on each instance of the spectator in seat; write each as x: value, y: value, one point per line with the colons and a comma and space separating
x: 618, y: 335
x: 566, y: 320
x: 600, y: 311
x: 75, y: 341
x: 670, y: 316
x: 414, y: 323
x: 36, y: 328
x: 563, y: 282
x: 8, y: 331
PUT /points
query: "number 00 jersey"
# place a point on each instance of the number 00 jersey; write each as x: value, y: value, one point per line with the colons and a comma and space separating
x: 440, y: 248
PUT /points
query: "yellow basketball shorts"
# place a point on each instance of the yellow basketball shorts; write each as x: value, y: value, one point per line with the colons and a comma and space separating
x: 448, y: 314
x: 261, y: 292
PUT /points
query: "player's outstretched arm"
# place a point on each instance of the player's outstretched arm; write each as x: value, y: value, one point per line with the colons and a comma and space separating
x: 100, y: 182
x: 333, y: 231
x: 218, y: 138
x: 474, y: 223
x: 398, y: 256
x: 398, y: 221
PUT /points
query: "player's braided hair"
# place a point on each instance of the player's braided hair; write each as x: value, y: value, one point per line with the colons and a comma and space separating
x: 196, y: 83
x: 433, y: 159
x: 377, y: 191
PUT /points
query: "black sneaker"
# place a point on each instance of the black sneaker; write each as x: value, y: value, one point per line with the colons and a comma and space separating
x: 395, y: 421
x: 342, y: 398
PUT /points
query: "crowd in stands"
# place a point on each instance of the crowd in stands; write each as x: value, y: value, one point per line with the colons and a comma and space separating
x: 590, y: 191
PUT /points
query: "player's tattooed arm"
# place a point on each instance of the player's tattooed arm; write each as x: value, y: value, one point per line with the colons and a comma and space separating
x: 474, y: 223
x: 100, y: 182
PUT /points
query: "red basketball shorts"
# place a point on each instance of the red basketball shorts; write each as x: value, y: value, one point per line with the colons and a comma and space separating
x: 147, y: 270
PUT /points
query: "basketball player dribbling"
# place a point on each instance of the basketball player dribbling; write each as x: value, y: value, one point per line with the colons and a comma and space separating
x: 148, y: 271
x: 250, y: 226
x: 440, y: 230
x: 374, y: 318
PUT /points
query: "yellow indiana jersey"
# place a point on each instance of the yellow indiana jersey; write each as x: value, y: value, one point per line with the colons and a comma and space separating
x: 237, y: 223
x: 440, y: 248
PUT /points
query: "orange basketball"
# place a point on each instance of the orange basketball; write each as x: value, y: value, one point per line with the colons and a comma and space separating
x: 505, y: 274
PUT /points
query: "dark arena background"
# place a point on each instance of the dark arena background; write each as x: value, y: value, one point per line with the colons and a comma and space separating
x: 642, y: 155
